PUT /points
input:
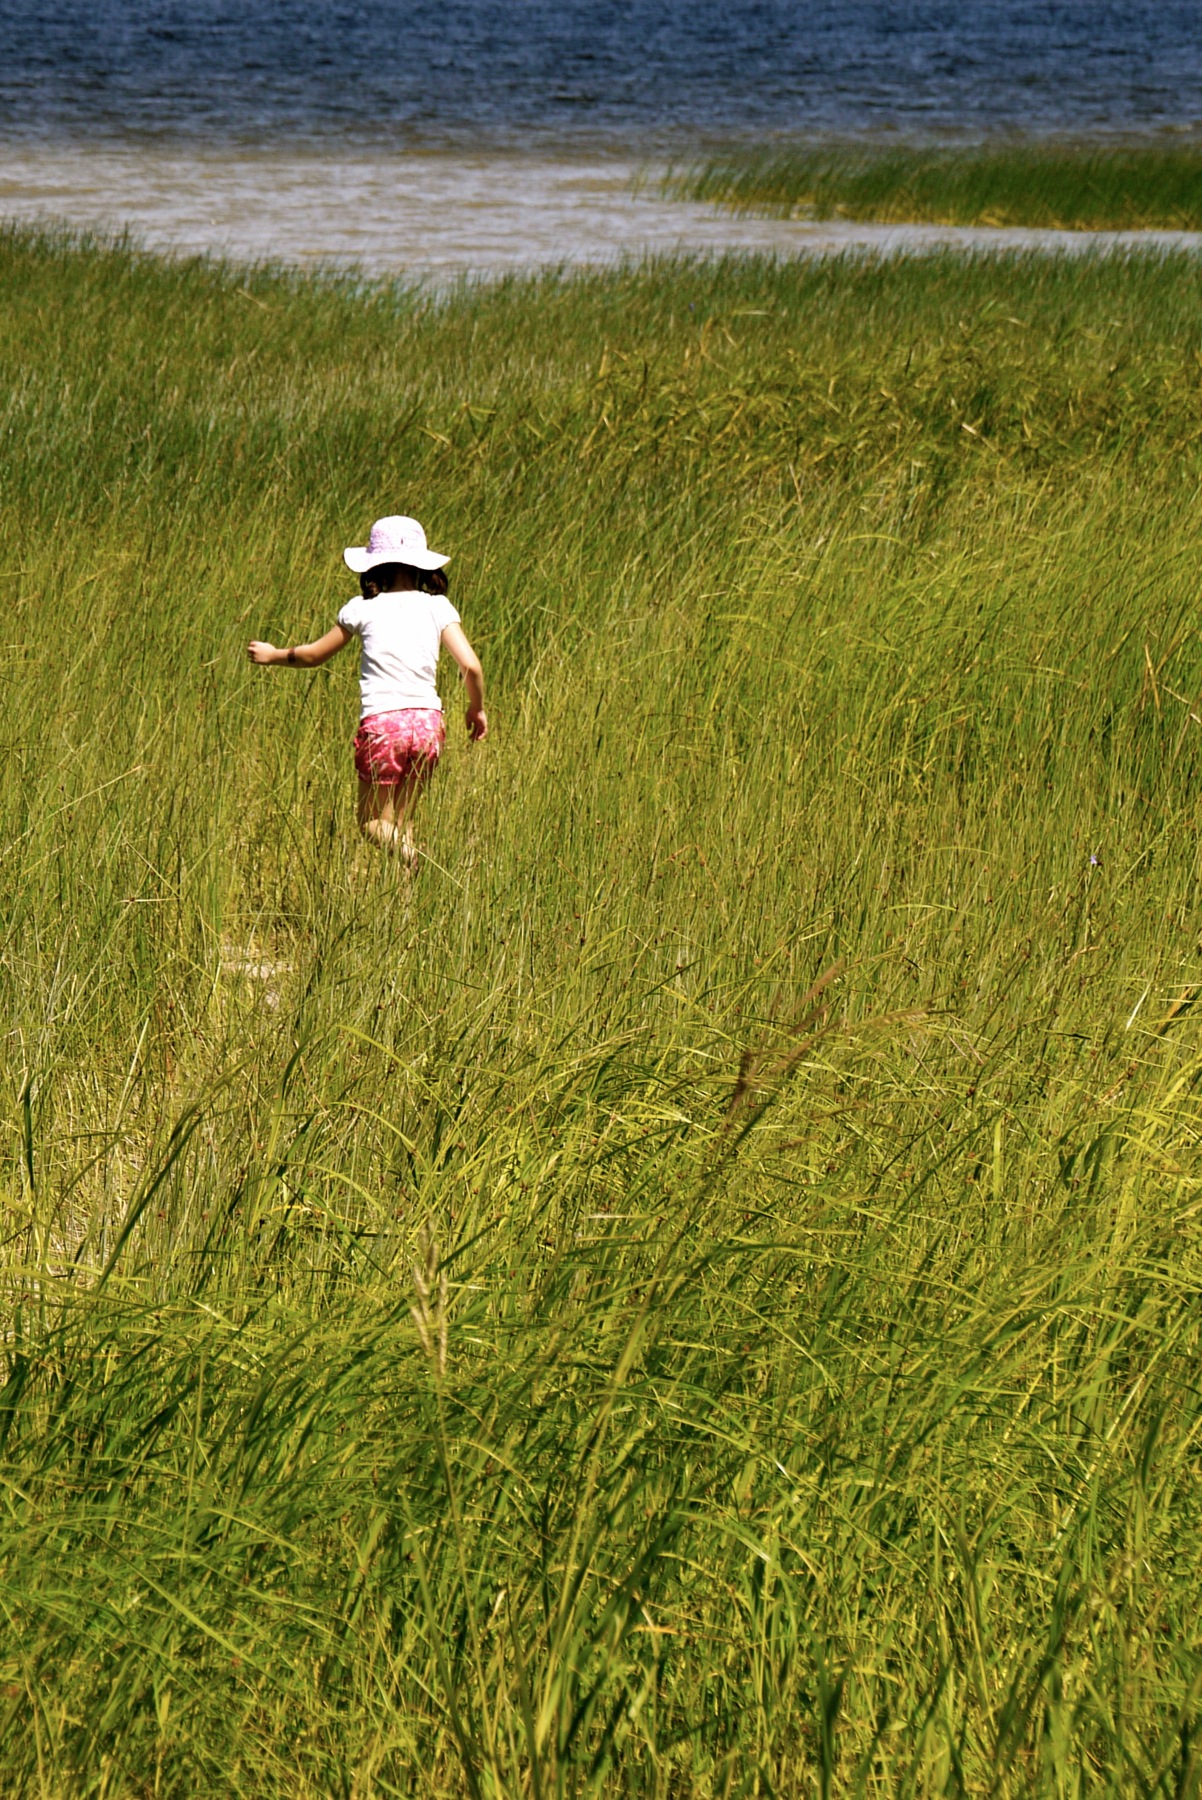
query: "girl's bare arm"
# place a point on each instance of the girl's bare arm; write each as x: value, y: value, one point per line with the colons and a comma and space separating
x: 454, y: 640
x: 302, y: 656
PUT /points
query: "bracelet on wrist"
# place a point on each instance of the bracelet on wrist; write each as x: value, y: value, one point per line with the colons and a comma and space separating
x: 290, y: 656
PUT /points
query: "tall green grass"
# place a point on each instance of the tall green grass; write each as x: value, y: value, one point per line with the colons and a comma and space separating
x: 1065, y: 186
x: 698, y: 1293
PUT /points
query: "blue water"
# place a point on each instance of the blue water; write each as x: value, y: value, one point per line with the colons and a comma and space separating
x: 649, y: 78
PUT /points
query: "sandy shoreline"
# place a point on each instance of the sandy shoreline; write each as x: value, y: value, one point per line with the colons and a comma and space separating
x: 438, y: 215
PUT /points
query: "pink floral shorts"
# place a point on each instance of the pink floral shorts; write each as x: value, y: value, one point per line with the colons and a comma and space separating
x: 398, y: 746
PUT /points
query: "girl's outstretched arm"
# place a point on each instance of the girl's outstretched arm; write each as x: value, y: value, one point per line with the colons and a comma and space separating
x: 473, y: 679
x: 302, y: 656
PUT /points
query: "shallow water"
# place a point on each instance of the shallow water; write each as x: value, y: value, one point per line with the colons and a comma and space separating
x: 432, y: 216
x: 435, y: 137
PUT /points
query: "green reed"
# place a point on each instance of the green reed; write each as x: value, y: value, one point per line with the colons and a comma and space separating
x: 1122, y: 187
x: 697, y: 1293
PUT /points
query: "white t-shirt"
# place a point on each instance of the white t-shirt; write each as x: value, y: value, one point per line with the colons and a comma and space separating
x: 400, y: 635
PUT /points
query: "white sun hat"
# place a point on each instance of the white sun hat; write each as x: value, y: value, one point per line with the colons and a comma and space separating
x: 394, y: 540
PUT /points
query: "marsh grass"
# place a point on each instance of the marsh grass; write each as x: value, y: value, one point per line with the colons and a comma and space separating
x: 1062, y: 186
x: 698, y: 1292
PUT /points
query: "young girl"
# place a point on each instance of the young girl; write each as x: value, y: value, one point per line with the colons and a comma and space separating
x: 402, y: 620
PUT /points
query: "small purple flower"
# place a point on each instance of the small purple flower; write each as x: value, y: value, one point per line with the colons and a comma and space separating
x: 1093, y: 861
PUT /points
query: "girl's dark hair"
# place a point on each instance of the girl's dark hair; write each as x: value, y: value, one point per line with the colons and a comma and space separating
x: 388, y: 578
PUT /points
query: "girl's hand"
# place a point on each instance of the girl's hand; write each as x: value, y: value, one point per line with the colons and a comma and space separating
x: 262, y: 653
x: 477, y: 724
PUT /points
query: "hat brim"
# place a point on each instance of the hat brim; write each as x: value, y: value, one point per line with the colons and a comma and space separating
x: 359, y: 560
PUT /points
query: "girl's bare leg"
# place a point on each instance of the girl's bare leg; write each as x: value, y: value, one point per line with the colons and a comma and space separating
x: 384, y: 815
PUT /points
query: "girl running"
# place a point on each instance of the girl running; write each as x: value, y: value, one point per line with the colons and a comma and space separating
x: 402, y: 620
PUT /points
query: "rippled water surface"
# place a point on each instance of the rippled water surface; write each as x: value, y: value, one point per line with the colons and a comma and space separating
x: 651, y: 73
x: 491, y: 134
